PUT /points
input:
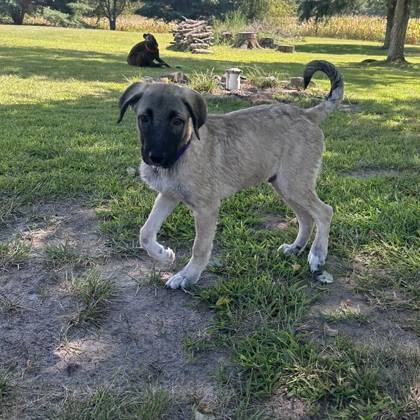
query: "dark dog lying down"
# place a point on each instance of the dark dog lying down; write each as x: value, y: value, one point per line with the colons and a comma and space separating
x: 145, y: 53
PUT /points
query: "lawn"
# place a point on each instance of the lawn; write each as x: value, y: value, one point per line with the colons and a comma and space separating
x: 290, y: 347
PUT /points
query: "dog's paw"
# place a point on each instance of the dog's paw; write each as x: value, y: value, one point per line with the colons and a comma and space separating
x: 315, y: 261
x: 181, y: 281
x: 288, y: 249
x: 165, y: 256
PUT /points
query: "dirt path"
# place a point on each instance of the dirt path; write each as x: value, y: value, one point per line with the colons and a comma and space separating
x: 140, y: 341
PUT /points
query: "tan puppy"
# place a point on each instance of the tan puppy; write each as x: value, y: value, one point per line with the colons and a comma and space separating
x: 200, y: 160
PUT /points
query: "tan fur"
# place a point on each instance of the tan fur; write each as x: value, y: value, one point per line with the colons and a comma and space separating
x: 238, y: 150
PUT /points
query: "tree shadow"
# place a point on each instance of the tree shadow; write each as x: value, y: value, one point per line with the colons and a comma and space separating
x: 341, y: 48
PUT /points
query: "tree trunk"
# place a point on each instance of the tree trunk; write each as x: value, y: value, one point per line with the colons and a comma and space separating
x: 18, y: 15
x: 112, y: 24
x: 389, y: 22
x: 247, y: 40
x: 399, y: 30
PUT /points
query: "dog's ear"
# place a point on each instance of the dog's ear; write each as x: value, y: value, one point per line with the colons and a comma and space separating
x: 197, y: 108
x: 145, y: 36
x: 130, y: 97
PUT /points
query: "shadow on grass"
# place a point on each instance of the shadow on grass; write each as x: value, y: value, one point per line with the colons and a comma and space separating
x: 341, y: 49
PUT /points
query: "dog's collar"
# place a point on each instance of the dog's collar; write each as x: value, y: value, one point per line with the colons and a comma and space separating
x: 182, y: 149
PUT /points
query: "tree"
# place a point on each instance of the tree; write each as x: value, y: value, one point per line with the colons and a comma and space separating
x: 111, y: 9
x: 17, y: 9
x: 389, y: 21
x: 398, y: 32
x: 398, y: 13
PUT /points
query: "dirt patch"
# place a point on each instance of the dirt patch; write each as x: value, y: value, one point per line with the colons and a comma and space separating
x: 140, y: 341
x: 342, y: 311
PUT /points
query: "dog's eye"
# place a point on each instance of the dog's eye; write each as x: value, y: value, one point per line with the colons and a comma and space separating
x: 144, y: 118
x: 177, y: 121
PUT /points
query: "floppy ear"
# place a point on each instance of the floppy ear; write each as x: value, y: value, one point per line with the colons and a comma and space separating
x: 130, y: 97
x: 197, y: 108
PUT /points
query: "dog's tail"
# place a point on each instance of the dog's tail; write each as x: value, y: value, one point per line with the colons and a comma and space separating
x: 318, y: 113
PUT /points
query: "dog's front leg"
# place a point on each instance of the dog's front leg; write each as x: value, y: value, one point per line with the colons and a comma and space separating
x: 162, y: 208
x: 205, y: 228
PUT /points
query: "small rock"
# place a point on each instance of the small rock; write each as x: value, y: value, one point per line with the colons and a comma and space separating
x: 203, y: 416
x: 330, y: 332
x: 324, y: 278
x: 175, y: 77
x: 148, y: 79
x: 298, y: 83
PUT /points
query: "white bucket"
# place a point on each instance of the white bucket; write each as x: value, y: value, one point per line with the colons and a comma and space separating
x: 233, y: 79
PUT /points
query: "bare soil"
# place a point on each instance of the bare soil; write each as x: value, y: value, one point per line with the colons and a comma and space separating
x: 139, y: 342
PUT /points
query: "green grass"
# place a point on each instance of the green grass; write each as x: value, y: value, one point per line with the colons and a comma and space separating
x: 59, y: 90
x: 62, y: 254
x: 96, y: 294
x: 13, y: 253
x: 106, y: 403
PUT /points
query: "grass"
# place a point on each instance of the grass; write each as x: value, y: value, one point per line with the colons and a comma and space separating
x: 204, y: 82
x: 62, y: 254
x: 59, y: 90
x: 106, y: 403
x: 95, y: 293
x: 13, y: 253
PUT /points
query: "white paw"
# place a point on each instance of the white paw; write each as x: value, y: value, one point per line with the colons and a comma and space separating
x: 324, y: 277
x: 180, y: 281
x: 289, y: 249
x: 164, y: 255
x: 315, y: 262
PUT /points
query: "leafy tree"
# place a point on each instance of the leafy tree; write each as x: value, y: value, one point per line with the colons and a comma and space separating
x: 17, y: 9
x: 111, y: 9
x: 398, y: 12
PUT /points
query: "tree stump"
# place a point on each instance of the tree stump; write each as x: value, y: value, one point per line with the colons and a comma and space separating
x: 247, y: 40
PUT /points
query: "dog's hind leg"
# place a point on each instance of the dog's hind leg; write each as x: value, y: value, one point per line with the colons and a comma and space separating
x: 306, y: 223
x: 205, y: 229
x: 306, y: 203
x: 162, y: 208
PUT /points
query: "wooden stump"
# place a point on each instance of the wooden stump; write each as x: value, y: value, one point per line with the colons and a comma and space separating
x: 247, y: 40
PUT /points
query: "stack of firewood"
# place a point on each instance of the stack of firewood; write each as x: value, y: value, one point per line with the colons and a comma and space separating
x: 194, y: 35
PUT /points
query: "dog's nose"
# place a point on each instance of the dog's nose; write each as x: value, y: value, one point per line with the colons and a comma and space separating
x: 156, y: 159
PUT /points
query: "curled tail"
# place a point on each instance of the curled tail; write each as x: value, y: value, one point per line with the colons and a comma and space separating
x: 334, y: 98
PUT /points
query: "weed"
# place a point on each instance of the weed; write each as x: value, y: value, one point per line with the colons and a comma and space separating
x: 13, y: 253
x: 106, y: 403
x: 61, y: 254
x: 96, y: 293
x: 204, y: 82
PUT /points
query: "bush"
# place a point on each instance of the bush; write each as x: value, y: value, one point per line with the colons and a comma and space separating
x: 57, y: 18
x: 204, y: 82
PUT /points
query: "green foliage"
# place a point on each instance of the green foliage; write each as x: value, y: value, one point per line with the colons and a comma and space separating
x: 57, y: 18
x: 106, y: 403
x: 204, y: 82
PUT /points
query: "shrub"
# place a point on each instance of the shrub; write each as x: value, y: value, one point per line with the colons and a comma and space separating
x: 204, y: 81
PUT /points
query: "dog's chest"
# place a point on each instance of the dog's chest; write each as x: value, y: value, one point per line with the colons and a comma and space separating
x: 160, y: 180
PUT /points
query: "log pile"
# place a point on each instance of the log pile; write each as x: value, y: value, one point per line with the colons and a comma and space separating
x: 193, y: 35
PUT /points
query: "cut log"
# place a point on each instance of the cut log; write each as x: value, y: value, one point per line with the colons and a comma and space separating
x: 201, y: 51
x: 247, y: 40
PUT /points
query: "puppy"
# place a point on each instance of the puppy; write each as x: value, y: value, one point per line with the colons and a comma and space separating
x: 201, y: 159
x: 145, y: 53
